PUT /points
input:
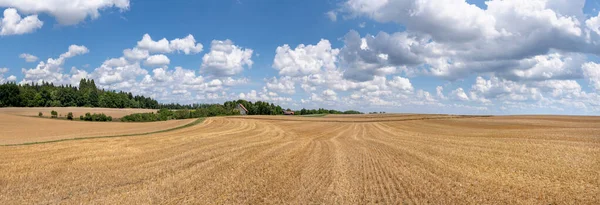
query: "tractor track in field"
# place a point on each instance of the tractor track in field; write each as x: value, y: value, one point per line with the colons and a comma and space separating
x: 275, y: 160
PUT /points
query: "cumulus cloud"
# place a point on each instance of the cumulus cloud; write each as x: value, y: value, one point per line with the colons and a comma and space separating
x: 304, y: 60
x: 592, y: 74
x: 13, y: 24
x: 66, y: 12
x: 226, y: 59
x: 10, y: 78
x: 118, y: 74
x: 459, y: 94
x: 136, y: 54
x: 454, y: 39
x: 440, y: 92
x: 459, y: 20
x: 402, y: 84
x: 160, y: 46
x: 157, y: 60
x: 364, y: 58
x: 282, y: 85
x: 264, y: 95
x: 28, y: 57
x: 186, y: 45
x: 51, y: 70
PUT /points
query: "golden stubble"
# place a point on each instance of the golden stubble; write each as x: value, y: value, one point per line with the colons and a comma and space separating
x: 389, y: 159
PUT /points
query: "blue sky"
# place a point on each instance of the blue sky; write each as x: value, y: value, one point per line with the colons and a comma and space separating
x: 429, y: 56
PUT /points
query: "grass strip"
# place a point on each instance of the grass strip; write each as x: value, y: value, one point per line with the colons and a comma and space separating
x: 198, y: 121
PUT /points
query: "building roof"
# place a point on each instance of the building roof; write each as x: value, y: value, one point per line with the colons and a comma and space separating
x: 243, y: 107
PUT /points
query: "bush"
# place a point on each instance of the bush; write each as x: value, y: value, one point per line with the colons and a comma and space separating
x: 80, y: 117
x: 54, y: 114
x: 40, y: 114
x: 96, y: 117
x: 70, y: 116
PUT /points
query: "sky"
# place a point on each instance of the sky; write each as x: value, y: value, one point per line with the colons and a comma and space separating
x: 407, y: 56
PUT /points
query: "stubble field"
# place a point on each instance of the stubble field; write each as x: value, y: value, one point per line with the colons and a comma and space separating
x: 336, y: 159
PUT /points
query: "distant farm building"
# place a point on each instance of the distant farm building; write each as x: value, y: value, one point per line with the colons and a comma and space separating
x: 242, y: 109
x: 288, y: 112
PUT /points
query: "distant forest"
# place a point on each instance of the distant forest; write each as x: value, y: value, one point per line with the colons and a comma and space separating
x: 88, y: 95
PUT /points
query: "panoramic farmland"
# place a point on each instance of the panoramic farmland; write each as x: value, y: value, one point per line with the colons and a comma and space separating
x: 22, y: 125
x: 336, y: 159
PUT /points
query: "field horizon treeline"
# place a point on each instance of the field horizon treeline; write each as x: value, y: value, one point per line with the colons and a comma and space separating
x: 226, y: 109
x: 87, y: 94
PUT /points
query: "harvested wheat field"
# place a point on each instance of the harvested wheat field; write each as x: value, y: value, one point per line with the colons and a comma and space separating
x: 23, y: 129
x: 267, y: 160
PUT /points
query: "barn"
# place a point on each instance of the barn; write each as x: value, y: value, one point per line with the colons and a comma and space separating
x: 242, y: 109
x: 288, y: 112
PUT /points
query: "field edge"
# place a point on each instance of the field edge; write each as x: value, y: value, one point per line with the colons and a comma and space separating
x: 195, y: 122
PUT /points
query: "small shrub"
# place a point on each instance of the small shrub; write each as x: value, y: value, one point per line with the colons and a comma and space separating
x: 70, y: 116
x: 40, y: 114
x: 96, y: 117
x: 54, y: 114
x: 80, y: 117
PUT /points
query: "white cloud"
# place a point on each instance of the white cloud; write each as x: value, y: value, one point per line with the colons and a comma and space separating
x: 594, y: 24
x: 51, y: 70
x: 332, y: 15
x: 264, y: 95
x: 160, y: 46
x: 329, y: 94
x: 545, y: 67
x: 66, y: 12
x: 226, y: 59
x: 460, y: 94
x: 304, y: 60
x: 450, y: 20
x: 136, y: 54
x: 282, y: 85
x: 454, y: 39
x: 364, y: 58
x: 118, y: 74
x: 592, y: 74
x: 13, y: 24
x: 186, y: 45
x: 402, y: 84
x: 75, y: 50
x: 28, y: 57
x: 500, y: 89
x: 157, y: 60
x: 440, y: 92
x: 10, y: 78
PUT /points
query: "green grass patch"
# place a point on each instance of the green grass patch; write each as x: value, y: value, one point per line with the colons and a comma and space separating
x: 198, y: 121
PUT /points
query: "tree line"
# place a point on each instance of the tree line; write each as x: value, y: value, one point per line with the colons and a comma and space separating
x: 86, y: 95
x: 325, y: 111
